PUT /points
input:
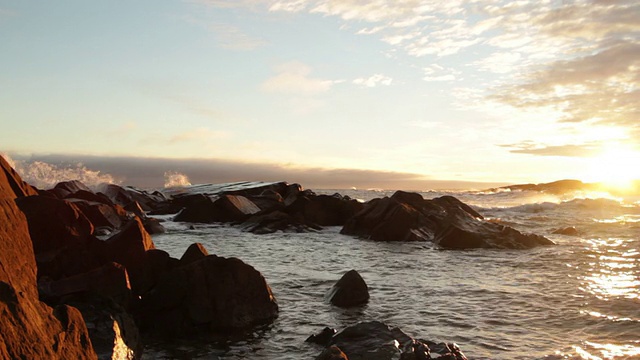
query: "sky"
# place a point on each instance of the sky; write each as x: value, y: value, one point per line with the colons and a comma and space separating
x: 462, y: 90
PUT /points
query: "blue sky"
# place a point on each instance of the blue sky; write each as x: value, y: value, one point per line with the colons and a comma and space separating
x: 482, y: 90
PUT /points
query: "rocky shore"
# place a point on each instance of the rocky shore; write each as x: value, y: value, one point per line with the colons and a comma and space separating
x: 81, y: 277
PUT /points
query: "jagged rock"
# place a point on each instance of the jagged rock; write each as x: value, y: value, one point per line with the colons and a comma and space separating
x: 193, y: 253
x: 100, y: 214
x: 126, y: 195
x: 62, y: 237
x: 445, y: 221
x: 227, y: 208
x: 90, y: 197
x: 349, y: 291
x: 11, y: 184
x: 210, y: 294
x: 322, y: 338
x: 334, y: 210
x: 29, y: 329
x: 374, y: 340
x: 129, y: 247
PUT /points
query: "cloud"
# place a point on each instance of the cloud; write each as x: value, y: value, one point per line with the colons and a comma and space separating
x: 570, y: 150
x: 435, y: 72
x: 150, y: 173
x: 229, y: 36
x: 294, y: 78
x: 373, y: 81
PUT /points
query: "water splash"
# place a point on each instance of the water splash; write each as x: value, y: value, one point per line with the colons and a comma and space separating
x: 45, y: 176
x: 175, y: 179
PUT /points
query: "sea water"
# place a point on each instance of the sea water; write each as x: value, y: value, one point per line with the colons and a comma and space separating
x: 579, y: 299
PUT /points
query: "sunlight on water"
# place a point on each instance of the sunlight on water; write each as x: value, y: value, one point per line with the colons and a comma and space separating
x: 607, y: 351
x: 613, y: 275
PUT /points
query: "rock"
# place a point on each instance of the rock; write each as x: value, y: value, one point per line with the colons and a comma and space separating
x: 153, y: 226
x: 334, y: 210
x: 125, y: 195
x: 210, y: 294
x: 29, y: 329
x: 277, y: 221
x: 71, y: 187
x: 349, y: 291
x: 227, y: 208
x: 568, y: 231
x: 62, y: 237
x: 194, y: 252
x: 129, y: 247
x: 332, y: 353
x: 112, y: 330
x: 102, y: 215
x: 323, y: 338
x: 90, y: 197
x: 109, y: 281
x: 374, y: 340
x: 11, y: 184
x: 446, y: 221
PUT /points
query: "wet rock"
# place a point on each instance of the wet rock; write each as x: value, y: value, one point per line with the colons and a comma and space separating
x: 153, y: 226
x: 322, y: 338
x: 277, y: 221
x: 445, y: 221
x: 210, y: 294
x: 349, y: 291
x: 374, y: 340
x: 333, y: 210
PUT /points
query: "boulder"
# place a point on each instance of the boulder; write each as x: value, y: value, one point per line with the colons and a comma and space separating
x: 129, y: 247
x: 349, y: 291
x: 72, y: 187
x: 210, y: 294
x: 29, y: 329
x: 374, y: 340
x: 153, y: 226
x: 333, y: 210
x: 332, y: 353
x: 102, y: 215
x: 445, y: 221
x: 62, y: 237
x: 227, y: 208
x: 90, y: 197
x: 277, y: 221
x: 126, y: 195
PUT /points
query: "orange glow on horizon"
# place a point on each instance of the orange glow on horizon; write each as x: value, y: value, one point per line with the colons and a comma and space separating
x: 617, y: 168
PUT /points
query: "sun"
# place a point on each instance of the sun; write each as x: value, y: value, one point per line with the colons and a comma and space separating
x: 616, y: 167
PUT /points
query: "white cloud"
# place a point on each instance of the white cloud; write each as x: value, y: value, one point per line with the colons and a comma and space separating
x: 294, y: 78
x: 373, y: 81
x: 435, y: 72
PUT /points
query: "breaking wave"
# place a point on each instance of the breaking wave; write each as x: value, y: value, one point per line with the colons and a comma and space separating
x: 175, y: 179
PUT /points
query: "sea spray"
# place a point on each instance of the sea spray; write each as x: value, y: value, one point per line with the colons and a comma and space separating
x: 175, y: 179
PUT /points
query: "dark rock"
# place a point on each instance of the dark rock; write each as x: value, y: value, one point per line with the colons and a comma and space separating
x: 210, y: 294
x: 445, y: 221
x: 153, y: 226
x: 194, y: 252
x: 129, y: 247
x: 126, y: 195
x: 62, y: 237
x: 227, y: 208
x: 100, y: 214
x: 349, y: 291
x: 72, y: 187
x: 112, y: 330
x: 334, y: 210
x: 568, y: 231
x: 374, y: 340
x: 323, y: 338
x: 277, y: 221
x: 110, y: 281
x: 90, y: 197
x: 332, y: 353
x: 135, y: 208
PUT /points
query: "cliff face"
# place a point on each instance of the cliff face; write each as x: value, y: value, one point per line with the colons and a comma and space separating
x: 29, y: 329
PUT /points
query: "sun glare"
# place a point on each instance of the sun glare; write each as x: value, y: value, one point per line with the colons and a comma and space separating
x: 615, y: 167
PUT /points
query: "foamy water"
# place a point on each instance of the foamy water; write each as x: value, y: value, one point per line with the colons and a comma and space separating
x: 579, y: 299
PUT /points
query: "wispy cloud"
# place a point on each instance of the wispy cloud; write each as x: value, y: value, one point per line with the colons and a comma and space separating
x: 569, y: 150
x: 229, y: 36
x: 374, y: 80
x: 294, y: 78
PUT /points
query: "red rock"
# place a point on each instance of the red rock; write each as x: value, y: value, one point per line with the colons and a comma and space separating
x: 11, y: 184
x: 129, y: 247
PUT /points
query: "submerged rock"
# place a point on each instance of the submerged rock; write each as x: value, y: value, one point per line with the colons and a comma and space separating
x: 374, y: 340
x: 446, y: 221
x: 349, y: 291
x: 568, y: 231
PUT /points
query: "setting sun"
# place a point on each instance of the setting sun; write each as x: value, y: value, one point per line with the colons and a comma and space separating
x: 615, y: 167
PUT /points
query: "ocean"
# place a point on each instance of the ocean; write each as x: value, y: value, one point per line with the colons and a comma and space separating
x: 577, y: 300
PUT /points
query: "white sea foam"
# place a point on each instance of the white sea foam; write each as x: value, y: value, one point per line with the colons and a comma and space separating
x: 175, y: 179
